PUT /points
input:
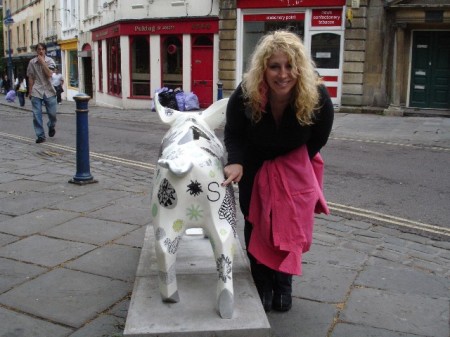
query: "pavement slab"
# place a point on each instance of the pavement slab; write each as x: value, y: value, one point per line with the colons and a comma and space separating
x: 125, y: 214
x: 15, y: 324
x: 323, y: 282
x: 13, y: 273
x: 338, y: 256
x: 114, y: 261
x: 305, y: 319
x: 98, y: 198
x: 88, y: 230
x: 352, y: 330
x: 44, y: 251
x: 134, y: 238
x: 408, y: 313
x: 35, y: 222
x: 66, y: 296
x: 103, y: 326
x: 402, y: 279
x: 6, y: 238
x: 23, y: 203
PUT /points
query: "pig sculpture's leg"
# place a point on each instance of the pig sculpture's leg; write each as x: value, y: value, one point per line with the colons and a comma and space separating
x: 166, y: 247
x: 224, y: 244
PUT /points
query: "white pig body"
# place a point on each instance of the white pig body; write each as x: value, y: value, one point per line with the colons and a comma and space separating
x: 187, y: 193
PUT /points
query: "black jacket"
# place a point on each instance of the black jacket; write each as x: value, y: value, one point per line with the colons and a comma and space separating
x: 250, y: 144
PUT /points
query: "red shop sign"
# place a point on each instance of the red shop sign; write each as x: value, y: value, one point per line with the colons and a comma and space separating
x: 326, y: 17
x: 275, y: 17
x: 288, y: 3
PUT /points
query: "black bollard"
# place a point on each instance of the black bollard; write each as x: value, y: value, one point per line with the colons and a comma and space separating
x: 83, y: 175
x: 219, y: 90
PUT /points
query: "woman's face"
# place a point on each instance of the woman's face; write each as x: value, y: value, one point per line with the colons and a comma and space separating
x: 279, y: 76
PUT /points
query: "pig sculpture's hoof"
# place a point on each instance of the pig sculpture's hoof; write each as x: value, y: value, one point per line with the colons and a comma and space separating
x: 174, y: 298
x: 226, y: 304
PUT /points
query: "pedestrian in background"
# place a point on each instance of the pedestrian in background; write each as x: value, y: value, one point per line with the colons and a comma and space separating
x: 277, y: 120
x: 57, y: 82
x: 21, y: 89
x: 6, y: 84
x: 41, y: 91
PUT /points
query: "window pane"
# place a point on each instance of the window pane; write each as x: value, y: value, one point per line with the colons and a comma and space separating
x: 73, y: 68
x: 172, y: 62
x: 114, y: 72
x: 140, y: 66
x: 325, y: 50
x: 254, y: 30
x: 100, y: 67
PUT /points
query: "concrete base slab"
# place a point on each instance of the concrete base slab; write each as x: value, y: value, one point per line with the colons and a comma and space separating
x: 195, y: 315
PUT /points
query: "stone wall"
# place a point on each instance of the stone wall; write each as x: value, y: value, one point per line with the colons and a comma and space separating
x: 354, y: 55
x: 365, y: 58
x: 227, y: 47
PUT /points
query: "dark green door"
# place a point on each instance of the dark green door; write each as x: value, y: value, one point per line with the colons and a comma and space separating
x: 430, y: 70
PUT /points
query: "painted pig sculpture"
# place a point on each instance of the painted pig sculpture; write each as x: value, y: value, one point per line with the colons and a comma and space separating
x: 187, y: 193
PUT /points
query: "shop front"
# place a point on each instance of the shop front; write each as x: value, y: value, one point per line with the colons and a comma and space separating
x: 69, y: 58
x: 319, y: 23
x: 134, y: 59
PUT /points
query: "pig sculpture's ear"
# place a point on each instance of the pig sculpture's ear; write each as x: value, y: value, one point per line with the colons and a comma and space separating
x: 214, y: 115
x: 167, y: 115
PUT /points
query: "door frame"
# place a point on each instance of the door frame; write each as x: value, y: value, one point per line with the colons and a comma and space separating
x: 411, y: 46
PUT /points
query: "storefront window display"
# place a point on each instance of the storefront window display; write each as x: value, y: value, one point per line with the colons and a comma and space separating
x: 140, y: 65
x: 114, y: 66
x: 73, y: 68
x: 325, y: 50
x: 172, y: 61
x: 255, y: 26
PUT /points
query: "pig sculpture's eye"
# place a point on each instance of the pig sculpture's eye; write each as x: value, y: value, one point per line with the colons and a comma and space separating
x: 199, y: 133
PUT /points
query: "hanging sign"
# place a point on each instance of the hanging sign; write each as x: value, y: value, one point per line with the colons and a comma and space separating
x: 275, y: 17
x: 326, y: 17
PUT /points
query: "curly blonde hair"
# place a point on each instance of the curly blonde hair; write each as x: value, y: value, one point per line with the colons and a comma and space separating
x: 305, y: 95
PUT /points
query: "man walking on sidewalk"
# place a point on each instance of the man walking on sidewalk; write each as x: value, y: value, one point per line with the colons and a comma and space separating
x: 57, y: 82
x: 39, y: 72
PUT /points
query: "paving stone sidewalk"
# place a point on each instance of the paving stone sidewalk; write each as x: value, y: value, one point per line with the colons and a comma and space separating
x: 68, y: 258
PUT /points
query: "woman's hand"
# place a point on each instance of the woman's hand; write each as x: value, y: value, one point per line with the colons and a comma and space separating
x: 233, y: 173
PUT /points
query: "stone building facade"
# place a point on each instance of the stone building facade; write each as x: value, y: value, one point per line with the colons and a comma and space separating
x: 381, y: 70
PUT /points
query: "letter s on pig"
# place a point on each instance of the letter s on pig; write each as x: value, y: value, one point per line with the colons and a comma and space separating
x: 215, y: 195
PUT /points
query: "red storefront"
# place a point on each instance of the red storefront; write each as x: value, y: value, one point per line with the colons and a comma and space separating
x: 136, y: 58
x: 320, y: 23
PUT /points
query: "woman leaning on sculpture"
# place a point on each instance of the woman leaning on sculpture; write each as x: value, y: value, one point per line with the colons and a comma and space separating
x: 277, y: 121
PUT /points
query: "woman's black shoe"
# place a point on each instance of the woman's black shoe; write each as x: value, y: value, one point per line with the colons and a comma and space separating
x: 282, y: 302
x: 266, y: 299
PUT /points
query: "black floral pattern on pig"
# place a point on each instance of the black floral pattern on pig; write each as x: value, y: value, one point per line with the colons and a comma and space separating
x: 227, y: 210
x: 167, y: 195
x: 194, y: 188
x: 224, y: 267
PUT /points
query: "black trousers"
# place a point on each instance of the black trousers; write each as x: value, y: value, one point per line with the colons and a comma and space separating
x: 265, y: 278
x: 58, y: 94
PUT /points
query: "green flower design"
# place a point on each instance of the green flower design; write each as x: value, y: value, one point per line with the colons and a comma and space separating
x: 194, y: 212
x: 177, y: 225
